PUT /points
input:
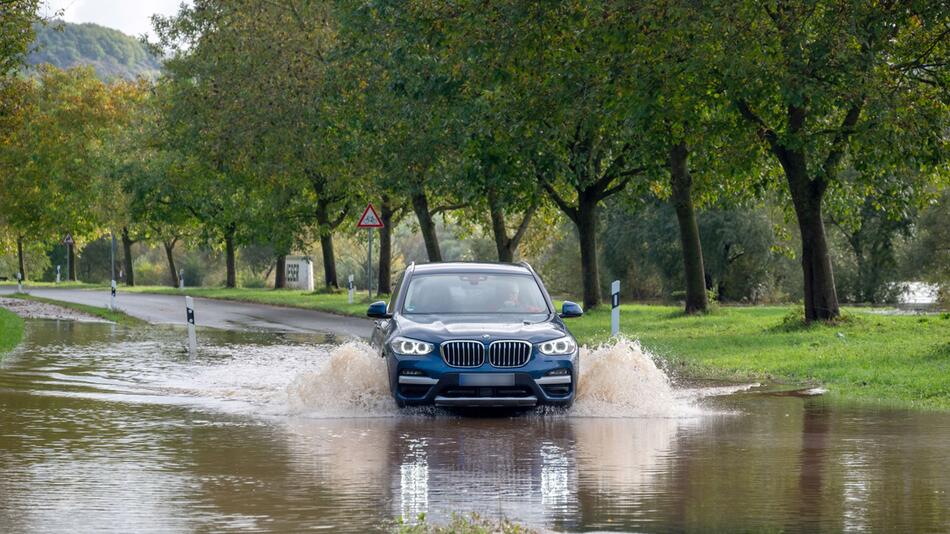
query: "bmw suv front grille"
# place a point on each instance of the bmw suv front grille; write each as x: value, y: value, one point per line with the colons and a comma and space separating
x: 463, y: 353
x: 509, y: 353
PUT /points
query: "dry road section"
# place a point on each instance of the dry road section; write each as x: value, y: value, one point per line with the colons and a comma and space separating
x: 227, y: 315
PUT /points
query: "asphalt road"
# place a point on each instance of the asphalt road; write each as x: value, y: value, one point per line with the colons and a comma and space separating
x: 224, y: 314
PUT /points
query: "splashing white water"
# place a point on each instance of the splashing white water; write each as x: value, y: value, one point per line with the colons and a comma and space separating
x: 621, y: 379
x: 353, y: 383
x: 617, y: 379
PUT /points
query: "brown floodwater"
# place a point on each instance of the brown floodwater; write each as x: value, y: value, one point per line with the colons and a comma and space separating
x: 104, y: 429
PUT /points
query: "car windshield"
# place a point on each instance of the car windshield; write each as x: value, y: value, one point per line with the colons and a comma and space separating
x: 474, y: 293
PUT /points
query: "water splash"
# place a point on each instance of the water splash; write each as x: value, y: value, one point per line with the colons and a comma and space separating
x: 621, y: 379
x: 353, y: 383
x: 617, y: 379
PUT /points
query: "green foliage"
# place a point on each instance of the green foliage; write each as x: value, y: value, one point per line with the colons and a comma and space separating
x: 111, y: 53
x: 17, y: 20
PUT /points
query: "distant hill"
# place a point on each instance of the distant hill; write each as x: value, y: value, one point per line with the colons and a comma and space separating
x: 111, y: 53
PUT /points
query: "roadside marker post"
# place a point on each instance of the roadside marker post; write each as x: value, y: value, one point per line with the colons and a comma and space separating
x: 57, y: 274
x: 112, y: 302
x: 190, y: 317
x: 371, y: 221
x: 615, y: 308
x: 19, y: 282
x: 181, y: 279
x: 351, y: 288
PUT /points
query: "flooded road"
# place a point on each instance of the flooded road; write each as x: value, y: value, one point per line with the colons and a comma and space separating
x: 110, y: 429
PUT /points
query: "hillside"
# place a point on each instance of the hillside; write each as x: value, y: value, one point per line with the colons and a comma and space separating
x: 112, y: 53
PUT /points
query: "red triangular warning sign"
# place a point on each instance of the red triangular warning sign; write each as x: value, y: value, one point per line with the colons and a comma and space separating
x: 369, y: 218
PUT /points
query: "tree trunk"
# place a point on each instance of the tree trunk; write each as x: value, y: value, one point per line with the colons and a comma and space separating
x: 499, y: 229
x: 169, y: 254
x: 420, y: 205
x: 280, y: 274
x: 587, y: 231
x: 127, y: 257
x: 71, y: 251
x: 821, y: 299
x: 19, y: 254
x: 231, y: 281
x: 384, y: 282
x: 693, y: 270
x: 326, y: 246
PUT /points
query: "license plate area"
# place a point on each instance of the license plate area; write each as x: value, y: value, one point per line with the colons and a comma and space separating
x: 486, y: 379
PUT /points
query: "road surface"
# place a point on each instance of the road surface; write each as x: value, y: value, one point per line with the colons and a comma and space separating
x: 224, y: 314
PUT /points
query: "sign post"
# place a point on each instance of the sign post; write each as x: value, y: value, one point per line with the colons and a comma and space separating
x: 615, y: 308
x: 369, y: 220
x: 68, y: 241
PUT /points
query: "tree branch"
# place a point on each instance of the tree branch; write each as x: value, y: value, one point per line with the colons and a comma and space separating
x: 561, y: 203
x: 764, y: 132
x: 523, y: 227
x: 447, y: 207
x: 840, y: 140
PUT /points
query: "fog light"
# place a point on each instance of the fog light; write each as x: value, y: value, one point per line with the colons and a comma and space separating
x: 559, y: 372
x: 411, y: 372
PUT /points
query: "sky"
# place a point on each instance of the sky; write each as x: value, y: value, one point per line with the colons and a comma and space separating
x: 128, y: 16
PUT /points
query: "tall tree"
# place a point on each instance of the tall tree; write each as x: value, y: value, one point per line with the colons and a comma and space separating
x: 813, y: 78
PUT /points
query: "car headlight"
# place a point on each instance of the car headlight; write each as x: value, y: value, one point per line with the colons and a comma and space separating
x: 410, y: 347
x: 558, y: 347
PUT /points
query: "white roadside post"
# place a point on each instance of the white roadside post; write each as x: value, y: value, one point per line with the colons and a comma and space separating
x: 350, y: 288
x: 57, y: 274
x: 615, y: 308
x: 19, y: 282
x: 190, y: 317
x: 369, y: 220
x: 181, y: 279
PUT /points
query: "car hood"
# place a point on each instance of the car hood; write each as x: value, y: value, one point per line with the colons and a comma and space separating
x: 434, y: 328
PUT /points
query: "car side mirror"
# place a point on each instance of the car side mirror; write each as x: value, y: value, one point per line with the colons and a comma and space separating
x: 377, y: 310
x: 570, y: 309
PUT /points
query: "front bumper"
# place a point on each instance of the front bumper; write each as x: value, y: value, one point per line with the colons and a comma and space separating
x: 440, y: 385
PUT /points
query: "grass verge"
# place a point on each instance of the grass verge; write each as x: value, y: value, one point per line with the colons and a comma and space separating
x: 899, y: 360
x: 117, y: 317
x: 460, y: 524
x: 11, y: 331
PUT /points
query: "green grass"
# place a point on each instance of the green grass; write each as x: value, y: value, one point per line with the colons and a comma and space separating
x: 460, y: 524
x: 11, y: 331
x: 52, y: 285
x: 117, y: 317
x: 888, y: 359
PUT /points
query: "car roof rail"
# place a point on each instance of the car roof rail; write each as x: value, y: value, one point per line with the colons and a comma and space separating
x: 526, y: 265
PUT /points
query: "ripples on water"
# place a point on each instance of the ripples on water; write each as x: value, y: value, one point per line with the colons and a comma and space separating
x: 103, y: 428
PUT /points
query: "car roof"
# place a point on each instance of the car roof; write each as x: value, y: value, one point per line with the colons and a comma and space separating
x: 470, y: 267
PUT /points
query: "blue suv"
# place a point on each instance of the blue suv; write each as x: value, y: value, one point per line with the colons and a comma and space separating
x: 476, y: 335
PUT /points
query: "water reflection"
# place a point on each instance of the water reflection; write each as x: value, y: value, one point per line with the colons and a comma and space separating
x: 209, y: 450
